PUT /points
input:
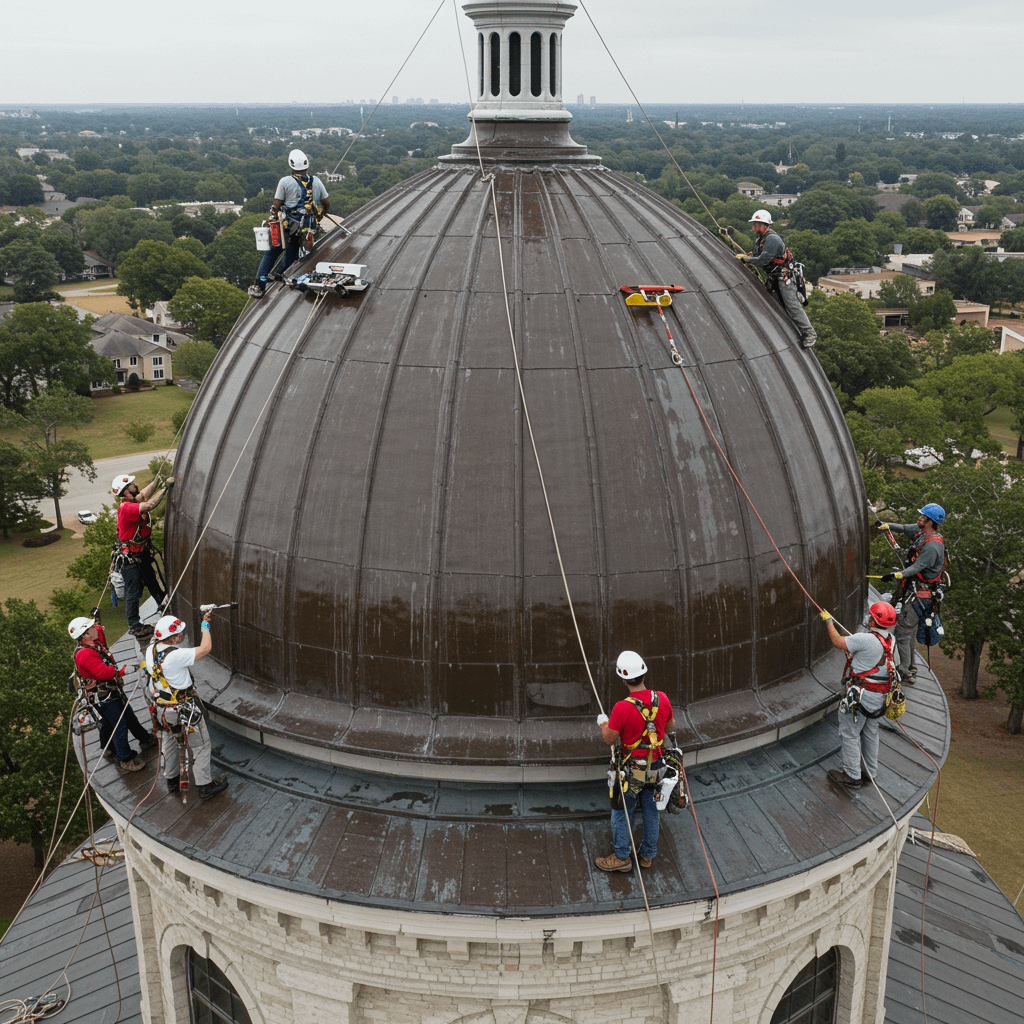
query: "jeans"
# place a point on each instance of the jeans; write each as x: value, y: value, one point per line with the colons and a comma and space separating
x: 622, y: 818
x: 135, y: 575
x: 270, y: 258
x: 110, y: 712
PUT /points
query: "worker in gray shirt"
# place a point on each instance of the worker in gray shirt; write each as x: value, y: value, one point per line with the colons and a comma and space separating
x: 919, y: 581
x: 773, y: 256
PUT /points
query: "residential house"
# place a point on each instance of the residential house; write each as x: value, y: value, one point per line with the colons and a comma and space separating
x: 136, y: 346
x: 750, y: 189
x: 96, y: 266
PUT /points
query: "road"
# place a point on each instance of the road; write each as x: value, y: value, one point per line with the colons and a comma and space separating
x: 93, y: 495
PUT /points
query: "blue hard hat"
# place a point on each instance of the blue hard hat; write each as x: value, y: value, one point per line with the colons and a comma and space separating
x: 936, y: 513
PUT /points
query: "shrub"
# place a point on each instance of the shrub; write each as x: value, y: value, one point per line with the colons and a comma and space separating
x: 41, y: 541
x: 139, y: 431
x: 133, y: 381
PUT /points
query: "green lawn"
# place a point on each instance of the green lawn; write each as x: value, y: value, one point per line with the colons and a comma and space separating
x: 105, y: 436
x: 999, y: 426
x: 972, y: 804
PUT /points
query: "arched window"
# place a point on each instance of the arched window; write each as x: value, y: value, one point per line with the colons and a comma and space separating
x: 535, y: 64
x: 212, y: 999
x: 811, y: 997
x: 515, y: 64
x: 553, y: 70
x: 495, y: 48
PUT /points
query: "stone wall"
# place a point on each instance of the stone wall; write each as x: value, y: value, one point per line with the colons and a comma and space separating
x: 301, y: 960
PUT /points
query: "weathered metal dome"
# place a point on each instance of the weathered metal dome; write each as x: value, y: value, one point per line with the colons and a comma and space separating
x: 358, y: 476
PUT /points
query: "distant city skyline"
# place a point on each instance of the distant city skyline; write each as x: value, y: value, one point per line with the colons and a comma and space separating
x: 670, y: 53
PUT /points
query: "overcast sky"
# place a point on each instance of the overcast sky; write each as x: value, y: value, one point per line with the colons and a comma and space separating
x: 670, y: 51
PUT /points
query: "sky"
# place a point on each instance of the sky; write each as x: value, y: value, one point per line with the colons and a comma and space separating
x: 668, y: 51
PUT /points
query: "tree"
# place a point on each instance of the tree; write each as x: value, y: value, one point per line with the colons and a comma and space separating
x: 49, y: 455
x: 210, y: 307
x: 935, y: 183
x: 154, y: 271
x: 34, y: 728
x: 850, y: 348
x: 1013, y: 240
x: 898, y: 293
x: 989, y: 216
x: 233, y: 254
x: 1006, y: 657
x: 60, y: 243
x: 941, y: 213
x: 912, y: 211
x: 192, y: 359
x: 854, y: 243
x: 984, y: 535
x: 41, y: 347
x: 32, y: 268
x: 933, y: 313
x: 19, y: 488
x: 112, y: 232
x: 20, y: 190
x: 886, y: 420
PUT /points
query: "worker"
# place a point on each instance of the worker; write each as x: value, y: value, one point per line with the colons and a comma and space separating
x: 919, y: 583
x: 304, y: 200
x: 179, y: 711
x: 782, y: 273
x: 639, y: 722
x: 135, y: 547
x: 101, y: 680
x: 871, y: 660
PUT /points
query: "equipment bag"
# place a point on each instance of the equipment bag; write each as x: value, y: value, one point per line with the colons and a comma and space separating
x: 929, y: 626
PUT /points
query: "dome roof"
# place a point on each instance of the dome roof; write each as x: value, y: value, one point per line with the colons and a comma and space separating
x: 384, y: 529
x: 358, y: 475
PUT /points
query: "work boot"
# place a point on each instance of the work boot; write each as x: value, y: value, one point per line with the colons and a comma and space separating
x: 645, y: 862
x: 149, y: 742
x: 257, y: 290
x: 212, y: 788
x: 838, y: 776
x: 911, y: 677
x: 136, y: 764
x: 173, y: 784
x: 612, y: 863
x: 141, y: 632
x: 808, y: 340
x: 110, y: 754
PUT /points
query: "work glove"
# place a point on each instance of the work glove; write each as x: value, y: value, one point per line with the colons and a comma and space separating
x: 602, y: 719
x: 826, y: 616
x: 94, y: 613
x: 120, y: 672
x: 169, y: 483
x: 883, y: 526
x: 889, y: 577
x: 741, y: 256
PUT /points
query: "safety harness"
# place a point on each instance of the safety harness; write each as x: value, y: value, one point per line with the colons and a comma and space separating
x: 858, y: 681
x: 935, y: 585
x: 184, y: 703
x: 100, y: 690
x: 642, y: 758
x: 784, y: 267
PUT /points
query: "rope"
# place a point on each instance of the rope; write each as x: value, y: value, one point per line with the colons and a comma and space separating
x: 270, y: 394
x: 647, y: 118
x: 391, y: 83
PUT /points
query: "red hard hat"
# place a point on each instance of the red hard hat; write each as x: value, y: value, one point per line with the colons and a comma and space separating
x: 884, y: 614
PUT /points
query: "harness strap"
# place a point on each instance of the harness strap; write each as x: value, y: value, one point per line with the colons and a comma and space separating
x: 876, y: 686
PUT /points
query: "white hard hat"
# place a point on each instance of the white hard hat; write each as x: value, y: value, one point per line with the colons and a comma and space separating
x: 760, y: 217
x: 80, y: 626
x: 297, y: 160
x: 168, y: 626
x: 119, y: 483
x: 630, y: 665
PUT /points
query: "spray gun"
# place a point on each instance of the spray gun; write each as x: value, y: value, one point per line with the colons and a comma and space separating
x: 205, y: 608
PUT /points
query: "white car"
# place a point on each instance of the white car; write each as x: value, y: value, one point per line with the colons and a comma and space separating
x: 87, y: 517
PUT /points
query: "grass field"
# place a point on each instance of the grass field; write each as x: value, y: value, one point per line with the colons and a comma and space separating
x: 972, y: 804
x: 105, y: 436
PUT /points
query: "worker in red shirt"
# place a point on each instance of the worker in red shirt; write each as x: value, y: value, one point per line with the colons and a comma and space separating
x: 135, y: 557
x: 101, y: 679
x: 639, y: 722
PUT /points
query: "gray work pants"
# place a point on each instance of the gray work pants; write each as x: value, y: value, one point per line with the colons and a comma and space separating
x: 791, y: 303
x: 906, y: 637
x: 198, y: 748
x: 859, y: 736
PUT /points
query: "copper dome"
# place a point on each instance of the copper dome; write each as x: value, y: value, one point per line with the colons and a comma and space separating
x: 359, y: 478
